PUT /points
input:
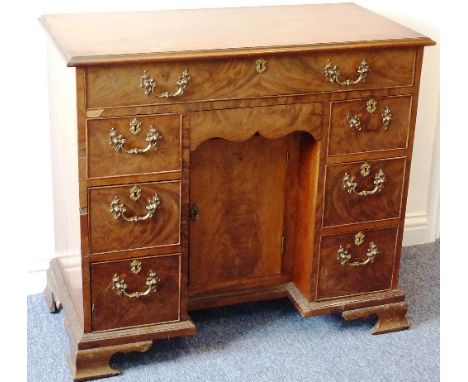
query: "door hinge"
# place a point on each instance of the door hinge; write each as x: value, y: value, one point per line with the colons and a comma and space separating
x: 287, y: 158
x: 282, y: 245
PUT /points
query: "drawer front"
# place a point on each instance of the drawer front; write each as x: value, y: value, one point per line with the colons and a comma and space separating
x: 134, y: 216
x: 135, y: 292
x: 356, y: 263
x: 166, y: 82
x: 363, y: 191
x: 133, y: 145
x: 371, y: 124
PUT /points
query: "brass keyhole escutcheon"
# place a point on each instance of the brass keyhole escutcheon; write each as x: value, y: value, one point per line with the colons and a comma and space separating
x: 371, y: 105
x: 365, y: 169
x: 135, y: 266
x: 135, y: 126
x: 194, y: 213
x: 359, y: 238
x: 260, y: 65
x: 135, y: 193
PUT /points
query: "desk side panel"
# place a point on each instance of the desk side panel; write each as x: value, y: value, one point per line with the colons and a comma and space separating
x: 63, y: 124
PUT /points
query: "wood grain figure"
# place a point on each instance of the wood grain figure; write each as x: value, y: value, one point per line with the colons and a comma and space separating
x: 339, y: 280
x: 235, y: 79
x: 104, y: 160
x: 238, y: 234
x: 109, y: 233
x: 270, y: 122
x: 111, y: 310
x: 372, y: 134
x: 343, y: 207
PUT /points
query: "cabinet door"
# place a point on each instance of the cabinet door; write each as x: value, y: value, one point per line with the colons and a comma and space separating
x: 239, y: 192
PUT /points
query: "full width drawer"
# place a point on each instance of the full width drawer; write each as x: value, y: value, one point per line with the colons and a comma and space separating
x: 356, y: 263
x: 363, y: 191
x: 133, y: 145
x: 135, y: 216
x: 135, y: 292
x: 371, y: 124
x: 181, y: 81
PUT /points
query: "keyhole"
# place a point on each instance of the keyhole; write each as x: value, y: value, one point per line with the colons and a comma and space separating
x: 194, y: 213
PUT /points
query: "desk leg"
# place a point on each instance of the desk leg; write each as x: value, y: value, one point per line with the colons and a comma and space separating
x: 94, y: 363
x: 391, y: 317
x: 51, y: 299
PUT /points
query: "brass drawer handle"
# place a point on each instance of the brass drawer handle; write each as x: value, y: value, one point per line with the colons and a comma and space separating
x: 333, y: 73
x: 118, y: 210
x: 354, y: 121
x: 386, y: 118
x: 152, y: 138
x: 344, y: 256
x: 350, y: 185
x: 147, y: 83
x: 120, y: 286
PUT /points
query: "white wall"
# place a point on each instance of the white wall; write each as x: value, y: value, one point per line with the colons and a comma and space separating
x: 34, y: 233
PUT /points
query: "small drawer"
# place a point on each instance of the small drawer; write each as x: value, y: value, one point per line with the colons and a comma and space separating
x: 356, y: 263
x: 372, y: 124
x: 363, y: 191
x: 133, y: 145
x: 135, y: 292
x: 263, y: 76
x: 135, y: 216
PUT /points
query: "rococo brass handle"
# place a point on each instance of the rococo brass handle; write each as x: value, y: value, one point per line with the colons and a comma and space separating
x: 333, y: 73
x: 118, y: 210
x: 350, y: 185
x: 118, y: 141
x: 147, y: 83
x: 354, y: 121
x: 120, y: 286
x: 344, y: 256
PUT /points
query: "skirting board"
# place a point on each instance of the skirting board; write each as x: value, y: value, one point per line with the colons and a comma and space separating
x: 417, y: 231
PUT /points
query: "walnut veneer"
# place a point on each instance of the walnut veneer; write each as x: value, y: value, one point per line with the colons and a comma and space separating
x: 265, y: 156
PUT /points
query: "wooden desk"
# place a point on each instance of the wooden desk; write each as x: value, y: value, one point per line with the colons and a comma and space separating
x: 213, y: 157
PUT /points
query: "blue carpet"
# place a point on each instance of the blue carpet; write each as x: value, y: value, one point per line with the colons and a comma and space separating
x: 269, y: 341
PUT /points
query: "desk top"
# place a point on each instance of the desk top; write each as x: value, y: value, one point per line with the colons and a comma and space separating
x: 100, y: 38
